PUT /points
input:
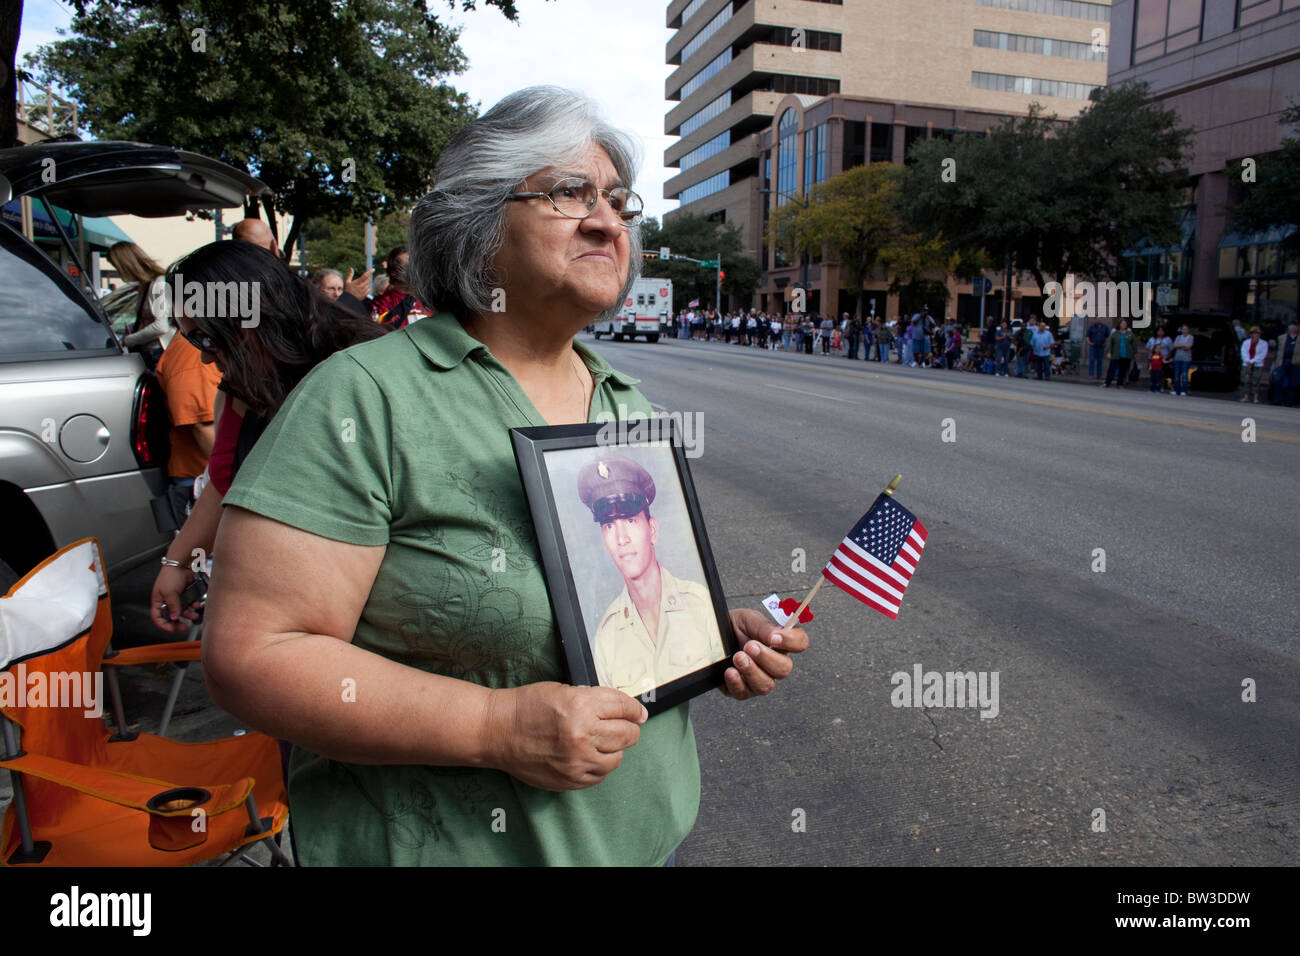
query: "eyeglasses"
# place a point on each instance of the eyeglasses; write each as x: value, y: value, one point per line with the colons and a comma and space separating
x: 576, y: 198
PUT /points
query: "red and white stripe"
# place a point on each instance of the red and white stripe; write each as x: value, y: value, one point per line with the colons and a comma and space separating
x: 872, y: 581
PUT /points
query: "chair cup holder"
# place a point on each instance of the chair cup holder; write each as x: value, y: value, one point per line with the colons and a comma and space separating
x: 183, y: 831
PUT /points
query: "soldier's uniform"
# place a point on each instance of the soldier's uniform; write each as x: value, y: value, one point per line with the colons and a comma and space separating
x: 688, y: 637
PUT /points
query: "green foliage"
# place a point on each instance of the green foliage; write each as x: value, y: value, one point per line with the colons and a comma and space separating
x: 289, y: 90
x: 342, y: 245
x: 700, y: 238
x: 855, y: 218
x: 1057, y: 197
x: 1273, y: 200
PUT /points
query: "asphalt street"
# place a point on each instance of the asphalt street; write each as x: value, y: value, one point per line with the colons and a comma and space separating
x: 1120, y: 690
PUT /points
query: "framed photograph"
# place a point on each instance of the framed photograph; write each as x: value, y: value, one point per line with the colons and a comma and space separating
x: 632, y: 581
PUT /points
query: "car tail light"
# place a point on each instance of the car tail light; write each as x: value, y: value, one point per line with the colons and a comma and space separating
x: 149, y: 424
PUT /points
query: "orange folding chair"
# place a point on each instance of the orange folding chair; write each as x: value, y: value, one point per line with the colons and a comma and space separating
x: 180, y: 654
x: 85, y: 798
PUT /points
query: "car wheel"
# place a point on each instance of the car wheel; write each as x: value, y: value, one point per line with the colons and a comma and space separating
x: 618, y: 336
x: 597, y: 335
x: 652, y: 337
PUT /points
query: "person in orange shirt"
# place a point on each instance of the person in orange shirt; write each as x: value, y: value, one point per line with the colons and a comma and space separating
x: 191, y: 388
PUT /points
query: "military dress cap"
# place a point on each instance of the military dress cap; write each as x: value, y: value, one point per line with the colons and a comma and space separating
x: 615, y: 488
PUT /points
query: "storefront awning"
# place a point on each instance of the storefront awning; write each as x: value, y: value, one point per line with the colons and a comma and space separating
x: 100, y: 232
x: 1186, y: 228
x: 1233, y: 240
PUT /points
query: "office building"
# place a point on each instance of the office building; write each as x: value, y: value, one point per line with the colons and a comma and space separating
x: 1228, y: 68
x: 839, y: 83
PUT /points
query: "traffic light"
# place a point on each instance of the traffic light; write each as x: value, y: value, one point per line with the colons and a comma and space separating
x: 647, y: 256
x: 722, y: 276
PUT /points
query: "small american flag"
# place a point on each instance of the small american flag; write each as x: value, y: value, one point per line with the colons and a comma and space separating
x: 876, y: 560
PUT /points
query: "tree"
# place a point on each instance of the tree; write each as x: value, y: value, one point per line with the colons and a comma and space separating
x: 855, y: 218
x: 11, y: 19
x: 700, y: 238
x: 340, y: 107
x: 341, y: 245
x: 1272, y: 199
x: 1054, y: 198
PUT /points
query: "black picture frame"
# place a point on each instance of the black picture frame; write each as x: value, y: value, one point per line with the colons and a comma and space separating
x: 531, y: 446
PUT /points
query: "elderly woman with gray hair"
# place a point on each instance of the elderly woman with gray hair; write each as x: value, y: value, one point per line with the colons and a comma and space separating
x: 379, y: 598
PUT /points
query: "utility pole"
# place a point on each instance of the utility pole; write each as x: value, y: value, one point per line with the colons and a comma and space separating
x: 1006, y: 305
x: 370, y: 246
x: 717, y: 296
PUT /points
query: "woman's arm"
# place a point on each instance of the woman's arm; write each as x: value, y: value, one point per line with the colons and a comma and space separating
x: 277, y: 653
x: 197, y: 534
x: 154, y: 330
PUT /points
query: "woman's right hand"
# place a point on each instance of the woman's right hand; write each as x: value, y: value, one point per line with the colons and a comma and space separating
x: 167, y: 588
x: 558, y: 737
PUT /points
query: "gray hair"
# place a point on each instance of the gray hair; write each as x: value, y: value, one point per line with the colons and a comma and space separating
x: 318, y: 277
x: 458, y: 228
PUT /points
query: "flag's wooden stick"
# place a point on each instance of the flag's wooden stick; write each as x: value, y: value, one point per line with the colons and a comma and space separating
x: 793, y: 619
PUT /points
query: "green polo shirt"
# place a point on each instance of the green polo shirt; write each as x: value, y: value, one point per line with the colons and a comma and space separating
x: 404, y: 442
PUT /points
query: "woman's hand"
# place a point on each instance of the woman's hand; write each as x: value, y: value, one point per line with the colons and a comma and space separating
x: 360, y: 286
x: 558, y: 737
x: 763, y: 658
x: 167, y: 588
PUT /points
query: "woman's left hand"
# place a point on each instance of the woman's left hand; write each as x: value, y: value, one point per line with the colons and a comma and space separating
x: 764, y: 655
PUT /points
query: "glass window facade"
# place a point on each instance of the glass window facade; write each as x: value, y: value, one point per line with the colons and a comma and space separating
x: 1030, y: 86
x: 707, y: 187
x: 809, y: 159
x: 700, y: 153
x: 882, y: 143
x: 1163, y: 26
x: 854, y: 152
x: 786, y: 157
x: 705, y: 34
x: 1060, y: 8
x: 807, y: 39
x: 692, y: 8
x: 813, y: 85
x: 696, y: 120
x: 1252, y: 11
x: 1043, y: 46
x: 709, y: 72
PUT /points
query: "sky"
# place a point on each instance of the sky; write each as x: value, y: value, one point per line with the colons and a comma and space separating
x: 612, y: 50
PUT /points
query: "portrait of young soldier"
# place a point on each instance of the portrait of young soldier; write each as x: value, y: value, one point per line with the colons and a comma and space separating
x: 660, y: 627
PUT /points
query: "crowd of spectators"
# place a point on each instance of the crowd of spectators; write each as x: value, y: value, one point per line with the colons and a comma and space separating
x: 1116, y: 356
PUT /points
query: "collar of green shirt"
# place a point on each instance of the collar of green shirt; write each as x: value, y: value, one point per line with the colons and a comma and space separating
x: 444, y: 342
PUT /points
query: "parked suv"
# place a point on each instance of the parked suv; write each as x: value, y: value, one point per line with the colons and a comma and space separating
x: 1216, y: 353
x: 83, y: 426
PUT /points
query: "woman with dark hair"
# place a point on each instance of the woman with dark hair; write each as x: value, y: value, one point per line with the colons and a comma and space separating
x: 265, y: 329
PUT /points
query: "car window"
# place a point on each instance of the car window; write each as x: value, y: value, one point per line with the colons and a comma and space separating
x: 120, y: 304
x: 42, y: 312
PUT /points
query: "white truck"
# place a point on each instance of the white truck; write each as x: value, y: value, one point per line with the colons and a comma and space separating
x: 647, y: 310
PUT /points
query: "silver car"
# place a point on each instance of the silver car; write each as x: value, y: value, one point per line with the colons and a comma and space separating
x: 83, y: 425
